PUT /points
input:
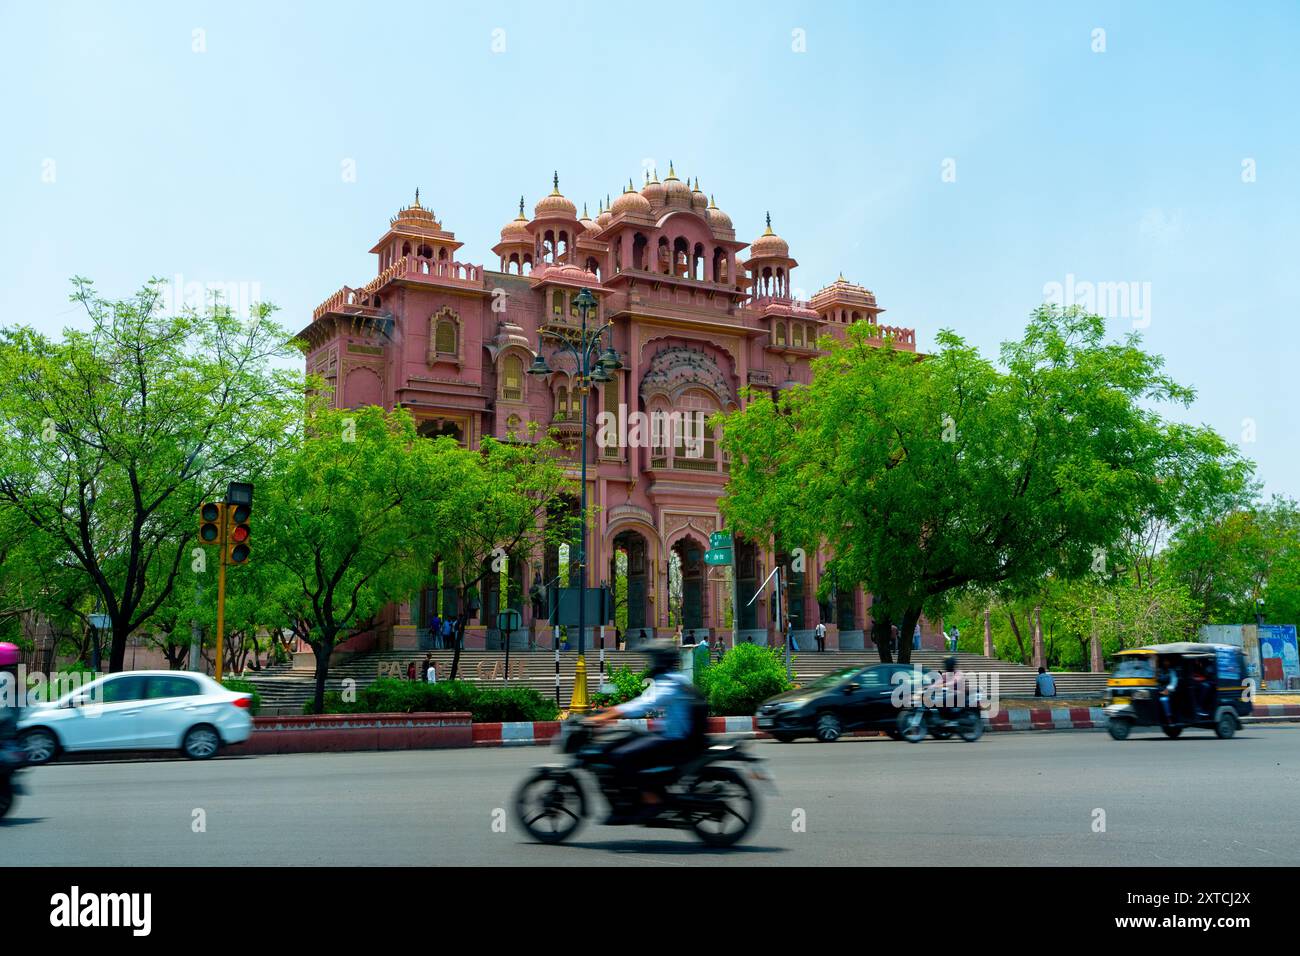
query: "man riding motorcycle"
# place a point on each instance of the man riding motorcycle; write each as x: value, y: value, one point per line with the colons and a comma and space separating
x: 952, y: 687
x: 682, y: 729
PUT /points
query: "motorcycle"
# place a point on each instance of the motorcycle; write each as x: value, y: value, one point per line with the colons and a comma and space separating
x: 711, y: 793
x: 942, y: 722
x: 13, y: 757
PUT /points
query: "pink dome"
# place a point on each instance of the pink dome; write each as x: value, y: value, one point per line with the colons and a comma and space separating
x: 769, y: 245
x: 632, y: 202
x: 555, y: 204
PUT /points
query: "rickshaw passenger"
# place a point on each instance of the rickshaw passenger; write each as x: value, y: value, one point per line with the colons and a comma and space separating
x: 1202, y: 686
x: 1167, y: 680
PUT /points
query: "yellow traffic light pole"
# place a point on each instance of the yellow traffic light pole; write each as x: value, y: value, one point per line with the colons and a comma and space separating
x: 221, y: 593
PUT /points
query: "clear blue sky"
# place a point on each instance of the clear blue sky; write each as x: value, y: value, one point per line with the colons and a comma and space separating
x: 1121, y: 166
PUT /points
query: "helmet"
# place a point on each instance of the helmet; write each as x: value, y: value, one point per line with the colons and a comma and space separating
x: 9, y: 654
x: 664, y: 656
x: 950, y: 663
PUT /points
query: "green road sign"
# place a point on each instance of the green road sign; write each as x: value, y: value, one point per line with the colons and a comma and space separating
x: 509, y: 620
x: 720, y: 539
x: 717, y: 556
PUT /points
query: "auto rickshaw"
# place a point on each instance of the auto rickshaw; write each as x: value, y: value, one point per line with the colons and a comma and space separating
x: 1176, y: 686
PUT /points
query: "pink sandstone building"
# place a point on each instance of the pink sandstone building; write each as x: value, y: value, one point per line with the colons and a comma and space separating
x: 697, y: 314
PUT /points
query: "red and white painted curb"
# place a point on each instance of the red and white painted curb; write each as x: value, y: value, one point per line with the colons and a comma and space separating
x: 524, y: 733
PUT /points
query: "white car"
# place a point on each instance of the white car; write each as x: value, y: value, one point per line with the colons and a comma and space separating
x: 139, y: 710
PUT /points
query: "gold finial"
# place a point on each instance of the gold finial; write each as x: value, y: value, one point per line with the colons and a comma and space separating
x: 521, y: 216
x: 697, y: 183
x: 629, y: 185
x: 417, y: 199
x: 555, y: 180
x: 647, y: 177
x: 656, y: 175
x: 712, y: 204
x: 671, y: 173
x: 769, y: 231
x: 584, y: 211
x: 841, y: 278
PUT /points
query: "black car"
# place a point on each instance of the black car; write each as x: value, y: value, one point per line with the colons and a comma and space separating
x: 856, y: 698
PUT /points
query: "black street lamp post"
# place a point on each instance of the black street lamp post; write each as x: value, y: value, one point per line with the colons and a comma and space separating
x: 583, y: 345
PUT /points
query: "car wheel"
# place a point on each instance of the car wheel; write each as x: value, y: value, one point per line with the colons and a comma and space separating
x: 829, y: 728
x: 201, y: 742
x: 1226, y: 726
x: 1119, y: 728
x: 893, y: 734
x: 1173, y: 732
x: 41, y: 745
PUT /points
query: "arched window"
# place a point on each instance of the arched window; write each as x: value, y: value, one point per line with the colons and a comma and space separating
x: 562, y: 404
x: 512, y: 426
x: 512, y: 378
x: 780, y: 333
x: 444, y: 338
x: 557, y: 302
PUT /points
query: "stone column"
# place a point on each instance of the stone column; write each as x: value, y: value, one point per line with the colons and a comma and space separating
x: 1038, y: 638
x: 988, y: 634
x: 1095, y: 646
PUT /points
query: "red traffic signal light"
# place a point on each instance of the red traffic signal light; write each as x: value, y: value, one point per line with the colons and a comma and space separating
x: 210, y: 522
x: 237, y: 550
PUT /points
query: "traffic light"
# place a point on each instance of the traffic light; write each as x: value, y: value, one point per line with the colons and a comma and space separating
x: 237, y: 550
x: 210, y: 518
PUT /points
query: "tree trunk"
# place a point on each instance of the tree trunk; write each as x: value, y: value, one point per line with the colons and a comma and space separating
x: 323, y: 648
x: 457, y: 633
x: 117, y: 651
x: 905, y: 631
x: 1015, y: 632
x: 880, y: 634
x: 1095, y: 663
x: 988, y: 633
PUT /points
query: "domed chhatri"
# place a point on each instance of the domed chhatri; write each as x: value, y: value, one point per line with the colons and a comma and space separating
x: 516, y: 230
x: 718, y: 219
x: 653, y: 190
x: 631, y: 202
x: 676, y: 192
x: 699, y: 319
x: 555, y: 205
x: 769, y: 245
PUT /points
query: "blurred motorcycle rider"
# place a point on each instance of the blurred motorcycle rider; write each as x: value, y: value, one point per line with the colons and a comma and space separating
x: 952, y: 684
x: 681, y: 732
x: 11, y: 700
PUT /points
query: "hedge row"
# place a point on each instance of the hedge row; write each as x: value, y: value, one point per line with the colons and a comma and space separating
x: 391, y: 695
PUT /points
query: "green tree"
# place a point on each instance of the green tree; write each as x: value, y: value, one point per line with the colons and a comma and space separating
x: 116, y: 434
x: 506, y: 502
x: 349, y: 520
x: 929, y: 476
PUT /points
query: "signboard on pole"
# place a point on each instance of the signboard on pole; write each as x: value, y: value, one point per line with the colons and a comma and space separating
x: 717, y: 556
x: 720, y: 539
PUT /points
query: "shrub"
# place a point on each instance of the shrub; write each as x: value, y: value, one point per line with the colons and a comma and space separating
x: 391, y: 695
x: 244, y: 687
x: 627, y: 684
x: 747, y: 675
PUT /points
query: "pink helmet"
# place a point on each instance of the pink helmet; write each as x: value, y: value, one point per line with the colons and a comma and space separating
x: 9, y: 654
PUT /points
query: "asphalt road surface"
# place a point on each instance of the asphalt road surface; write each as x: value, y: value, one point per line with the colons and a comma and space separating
x: 1009, y: 799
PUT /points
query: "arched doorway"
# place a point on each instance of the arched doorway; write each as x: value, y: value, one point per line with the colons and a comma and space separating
x: 502, y: 589
x: 629, y: 576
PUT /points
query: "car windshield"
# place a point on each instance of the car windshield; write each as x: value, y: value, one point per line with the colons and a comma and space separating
x: 1135, y: 667
x: 834, y: 677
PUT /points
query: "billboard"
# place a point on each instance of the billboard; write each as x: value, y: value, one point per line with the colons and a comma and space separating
x: 1279, y: 657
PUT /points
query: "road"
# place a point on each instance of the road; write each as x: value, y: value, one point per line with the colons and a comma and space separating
x: 1009, y: 799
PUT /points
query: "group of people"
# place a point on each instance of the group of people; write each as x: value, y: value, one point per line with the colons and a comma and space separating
x: 1194, y: 694
x: 443, y: 632
x: 427, y: 672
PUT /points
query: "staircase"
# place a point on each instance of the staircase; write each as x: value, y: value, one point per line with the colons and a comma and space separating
x: 285, y: 691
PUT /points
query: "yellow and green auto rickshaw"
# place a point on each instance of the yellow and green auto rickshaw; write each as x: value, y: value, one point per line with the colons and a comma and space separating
x: 1176, y: 686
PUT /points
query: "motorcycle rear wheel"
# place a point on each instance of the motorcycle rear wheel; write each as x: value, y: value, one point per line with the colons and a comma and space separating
x: 550, y: 806
x: 737, y: 806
